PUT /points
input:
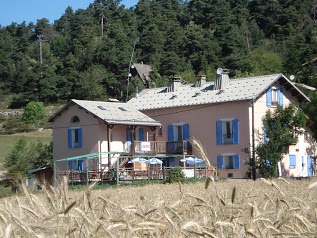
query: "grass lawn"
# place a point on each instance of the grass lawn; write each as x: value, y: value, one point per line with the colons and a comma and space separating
x: 7, y: 142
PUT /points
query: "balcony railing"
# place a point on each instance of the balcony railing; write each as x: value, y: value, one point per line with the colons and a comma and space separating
x: 179, y: 147
x: 161, y: 147
x: 151, y: 147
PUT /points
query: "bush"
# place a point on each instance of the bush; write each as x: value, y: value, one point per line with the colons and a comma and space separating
x: 175, y: 175
x: 33, y: 113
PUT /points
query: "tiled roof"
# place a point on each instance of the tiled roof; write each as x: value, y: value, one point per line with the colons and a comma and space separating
x: 113, y: 113
x: 188, y: 95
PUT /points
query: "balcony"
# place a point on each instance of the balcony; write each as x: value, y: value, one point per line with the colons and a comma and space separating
x: 150, y: 147
x: 162, y: 147
x: 179, y: 147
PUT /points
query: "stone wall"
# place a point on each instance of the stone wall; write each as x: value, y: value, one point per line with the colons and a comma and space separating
x: 11, y: 113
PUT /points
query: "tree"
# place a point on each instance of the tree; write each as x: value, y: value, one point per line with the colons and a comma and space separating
x: 33, y: 113
x: 24, y: 157
x: 311, y: 110
x: 17, y: 162
x: 281, y: 129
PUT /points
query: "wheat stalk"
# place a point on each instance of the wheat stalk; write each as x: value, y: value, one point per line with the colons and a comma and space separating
x: 200, y: 151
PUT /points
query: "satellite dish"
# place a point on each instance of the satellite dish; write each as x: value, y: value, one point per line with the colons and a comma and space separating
x: 292, y: 77
x: 219, y: 71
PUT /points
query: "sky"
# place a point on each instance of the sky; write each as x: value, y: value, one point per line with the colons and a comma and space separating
x: 30, y: 10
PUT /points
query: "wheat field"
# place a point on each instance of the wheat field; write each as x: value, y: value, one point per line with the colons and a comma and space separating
x: 233, y: 208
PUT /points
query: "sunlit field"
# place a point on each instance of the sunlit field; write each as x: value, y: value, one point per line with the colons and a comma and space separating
x: 7, y: 142
x: 232, y: 208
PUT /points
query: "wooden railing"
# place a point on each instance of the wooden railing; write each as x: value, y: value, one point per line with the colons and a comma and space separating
x: 153, y: 172
x: 179, y: 147
x: 161, y: 147
x: 155, y: 147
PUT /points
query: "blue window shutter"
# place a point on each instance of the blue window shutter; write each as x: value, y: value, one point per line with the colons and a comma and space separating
x: 186, y: 132
x: 219, y: 132
x: 303, y: 161
x: 80, y: 165
x: 141, y: 134
x: 220, y: 162
x: 280, y: 94
x: 235, y: 131
x: 236, y: 161
x: 80, y: 138
x: 170, y: 133
x: 292, y: 160
x: 128, y: 134
x: 70, y: 165
x: 309, y: 165
x: 269, y: 97
x: 70, y: 139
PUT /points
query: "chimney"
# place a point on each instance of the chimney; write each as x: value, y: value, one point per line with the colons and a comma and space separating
x: 201, y: 80
x: 222, y: 80
x: 174, y: 84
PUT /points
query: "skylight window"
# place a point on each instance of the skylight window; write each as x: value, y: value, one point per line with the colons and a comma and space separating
x: 102, y: 108
x: 122, y: 109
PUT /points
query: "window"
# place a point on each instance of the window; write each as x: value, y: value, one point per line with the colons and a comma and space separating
x: 75, y: 165
x: 178, y: 132
x: 160, y: 131
x: 138, y: 134
x: 74, y: 137
x: 75, y: 119
x: 227, y: 131
x: 274, y: 96
x: 231, y: 161
x: 292, y: 161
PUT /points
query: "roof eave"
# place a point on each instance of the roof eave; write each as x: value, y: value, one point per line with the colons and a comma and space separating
x: 288, y: 85
x: 51, y: 119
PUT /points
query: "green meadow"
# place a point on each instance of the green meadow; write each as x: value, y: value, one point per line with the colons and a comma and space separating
x: 7, y: 142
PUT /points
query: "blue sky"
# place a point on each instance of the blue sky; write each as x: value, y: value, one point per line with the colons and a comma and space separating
x: 31, y: 10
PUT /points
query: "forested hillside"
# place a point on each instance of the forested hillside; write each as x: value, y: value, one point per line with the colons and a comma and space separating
x: 86, y: 53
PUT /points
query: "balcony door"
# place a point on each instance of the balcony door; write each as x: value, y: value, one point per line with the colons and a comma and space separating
x: 178, y: 132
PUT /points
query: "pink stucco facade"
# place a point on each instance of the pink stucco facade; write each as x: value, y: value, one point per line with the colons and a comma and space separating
x: 202, y: 126
x: 305, y: 146
x: 94, y: 138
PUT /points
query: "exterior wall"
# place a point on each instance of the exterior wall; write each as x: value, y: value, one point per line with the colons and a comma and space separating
x: 305, y: 142
x: 94, y: 138
x: 90, y: 128
x: 202, y: 126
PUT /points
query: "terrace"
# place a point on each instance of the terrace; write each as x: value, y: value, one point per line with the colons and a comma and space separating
x: 90, y: 171
x: 131, y: 174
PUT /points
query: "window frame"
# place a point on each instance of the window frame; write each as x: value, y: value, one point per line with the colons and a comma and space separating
x: 75, y: 132
x: 224, y: 137
x: 275, y: 95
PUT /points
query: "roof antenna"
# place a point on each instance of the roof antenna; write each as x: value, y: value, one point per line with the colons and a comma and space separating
x: 129, y: 74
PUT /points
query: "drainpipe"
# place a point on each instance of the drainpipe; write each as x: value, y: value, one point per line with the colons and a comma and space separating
x: 253, y: 144
x: 109, y: 127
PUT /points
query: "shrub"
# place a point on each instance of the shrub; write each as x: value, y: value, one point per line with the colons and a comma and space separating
x: 33, y: 113
x: 175, y: 175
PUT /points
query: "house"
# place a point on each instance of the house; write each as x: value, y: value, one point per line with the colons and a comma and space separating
x: 91, y: 127
x: 226, y: 117
x: 143, y: 72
